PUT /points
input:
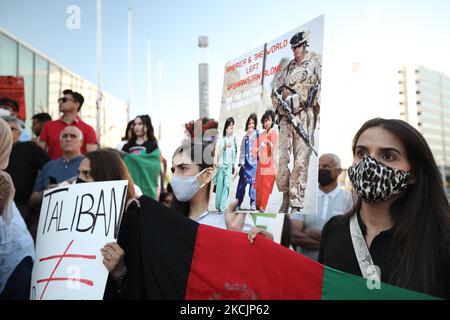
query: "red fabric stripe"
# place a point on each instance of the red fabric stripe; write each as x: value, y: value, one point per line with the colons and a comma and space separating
x: 225, y: 265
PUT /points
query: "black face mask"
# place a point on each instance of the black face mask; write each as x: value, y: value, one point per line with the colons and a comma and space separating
x: 325, y: 177
x: 80, y: 181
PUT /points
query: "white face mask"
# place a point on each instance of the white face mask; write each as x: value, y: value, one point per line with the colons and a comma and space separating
x: 185, y: 188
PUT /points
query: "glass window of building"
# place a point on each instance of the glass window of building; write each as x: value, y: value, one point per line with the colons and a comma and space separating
x: 54, y: 91
x: 40, y: 85
x: 85, y: 91
x: 66, y: 81
x: 76, y: 84
x: 26, y: 70
x: 8, y: 56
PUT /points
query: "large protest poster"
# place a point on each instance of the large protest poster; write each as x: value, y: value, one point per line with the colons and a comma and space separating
x: 76, y: 221
x: 280, y: 161
x: 13, y: 88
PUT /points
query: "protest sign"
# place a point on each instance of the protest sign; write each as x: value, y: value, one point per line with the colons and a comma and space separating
x: 280, y: 162
x: 75, y: 222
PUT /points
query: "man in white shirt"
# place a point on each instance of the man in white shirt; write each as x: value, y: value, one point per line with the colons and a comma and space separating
x: 331, y: 201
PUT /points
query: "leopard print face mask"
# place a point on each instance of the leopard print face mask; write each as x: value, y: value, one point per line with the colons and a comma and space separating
x: 376, y: 182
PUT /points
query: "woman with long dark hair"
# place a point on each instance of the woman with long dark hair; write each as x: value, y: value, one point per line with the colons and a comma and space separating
x: 143, y: 157
x: 398, y: 231
x: 142, y: 136
x: 127, y: 135
x: 227, y: 155
x: 104, y: 165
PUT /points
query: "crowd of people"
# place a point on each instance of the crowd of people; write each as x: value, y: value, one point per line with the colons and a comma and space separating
x: 397, y: 222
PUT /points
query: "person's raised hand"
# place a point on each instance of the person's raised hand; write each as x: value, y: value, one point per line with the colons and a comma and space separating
x: 234, y: 220
x: 255, y: 231
x: 113, y: 259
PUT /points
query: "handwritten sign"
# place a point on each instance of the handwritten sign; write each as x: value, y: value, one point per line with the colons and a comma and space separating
x: 76, y: 221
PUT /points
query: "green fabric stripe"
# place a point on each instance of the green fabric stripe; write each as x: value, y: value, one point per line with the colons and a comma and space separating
x: 265, y: 215
x: 338, y: 285
x: 145, y: 170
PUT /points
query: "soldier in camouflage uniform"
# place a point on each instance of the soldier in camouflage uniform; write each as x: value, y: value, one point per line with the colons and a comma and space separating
x: 294, y: 83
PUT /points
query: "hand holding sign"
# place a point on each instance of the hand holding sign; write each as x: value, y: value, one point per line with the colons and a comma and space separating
x: 75, y: 223
x: 234, y: 220
x: 113, y: 256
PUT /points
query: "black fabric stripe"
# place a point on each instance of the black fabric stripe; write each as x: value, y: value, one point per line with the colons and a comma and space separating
x: 159, y: 245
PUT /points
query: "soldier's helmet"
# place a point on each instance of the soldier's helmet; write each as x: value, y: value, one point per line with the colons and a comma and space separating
x: 299, y: 38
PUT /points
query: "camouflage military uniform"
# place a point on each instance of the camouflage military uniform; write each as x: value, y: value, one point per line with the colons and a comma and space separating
x: 299, y: 77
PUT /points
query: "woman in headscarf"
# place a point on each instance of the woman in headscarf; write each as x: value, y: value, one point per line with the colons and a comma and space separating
x: 16, y: 245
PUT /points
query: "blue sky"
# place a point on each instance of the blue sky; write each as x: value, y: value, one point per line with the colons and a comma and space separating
x: 379, y: 30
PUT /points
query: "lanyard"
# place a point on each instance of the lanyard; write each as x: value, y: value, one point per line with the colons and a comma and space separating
x: 362, y: 251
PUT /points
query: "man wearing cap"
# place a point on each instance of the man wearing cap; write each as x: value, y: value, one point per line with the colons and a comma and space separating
x: 296, y: 84
x: 70, y: 104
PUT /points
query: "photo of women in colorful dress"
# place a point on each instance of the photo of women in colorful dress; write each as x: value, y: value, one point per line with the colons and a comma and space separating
x: 248, y: 163
x: 264, y: 149
x: 226, y: 157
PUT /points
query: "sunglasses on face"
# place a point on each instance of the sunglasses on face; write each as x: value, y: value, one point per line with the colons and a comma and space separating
x: 65, y: 99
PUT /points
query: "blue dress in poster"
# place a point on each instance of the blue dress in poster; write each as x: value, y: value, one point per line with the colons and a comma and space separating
x: 248, y: 169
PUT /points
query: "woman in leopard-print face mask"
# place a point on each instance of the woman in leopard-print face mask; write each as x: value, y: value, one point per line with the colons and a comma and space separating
x: 400, y: 224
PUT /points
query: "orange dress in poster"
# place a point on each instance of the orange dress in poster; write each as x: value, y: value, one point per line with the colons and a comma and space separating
x: 265, y: 171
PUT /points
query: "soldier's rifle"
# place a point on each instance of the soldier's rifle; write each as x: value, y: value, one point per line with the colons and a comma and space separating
x: 297, y: 126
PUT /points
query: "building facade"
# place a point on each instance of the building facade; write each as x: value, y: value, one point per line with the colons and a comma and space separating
x: 44, y: 81
x: 425, y: 104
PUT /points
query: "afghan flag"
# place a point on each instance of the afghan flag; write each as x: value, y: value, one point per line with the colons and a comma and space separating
x: 172, y: 257
x: 145, y: 169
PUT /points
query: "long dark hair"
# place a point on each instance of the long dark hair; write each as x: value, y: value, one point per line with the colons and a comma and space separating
x: 147, y: 122
x: 268, y: 113
x: 107, y: 164
x: 228, y: 122
x: 202, y: 154
x: 421, y: 215
x: 127, y: 131
x: 251, y: 117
